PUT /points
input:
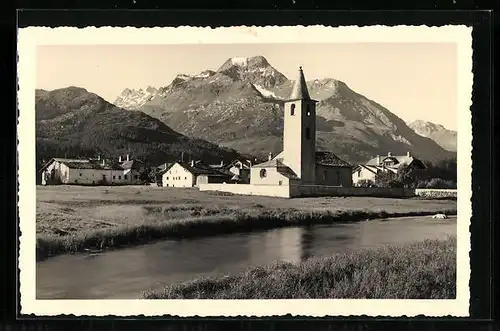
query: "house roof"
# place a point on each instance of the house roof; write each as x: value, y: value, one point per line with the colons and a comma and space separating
x: 198, y: 168
x: 92, y: 164
x: 373, y: 169
x: 330, y: 159
x: 398, y: 159
x: 280, y: 167
x: 247, y: 164
x: 287, y: 172
x: 322, y: 158
x: 130, y: 164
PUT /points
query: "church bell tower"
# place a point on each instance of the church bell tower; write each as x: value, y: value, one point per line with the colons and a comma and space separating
x: 299, y: 133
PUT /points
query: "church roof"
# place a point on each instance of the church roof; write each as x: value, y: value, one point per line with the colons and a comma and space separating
x: 300, y: 91
x: 330, y: 159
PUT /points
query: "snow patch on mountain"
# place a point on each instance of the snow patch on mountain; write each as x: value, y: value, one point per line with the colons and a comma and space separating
x: 265, y: 92
x: 239, y: 61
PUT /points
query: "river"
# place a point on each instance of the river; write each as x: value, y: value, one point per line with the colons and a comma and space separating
x: 125, y: 273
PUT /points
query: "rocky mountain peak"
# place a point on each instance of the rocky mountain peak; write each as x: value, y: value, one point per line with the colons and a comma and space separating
x: 447, y: 139
x: 256, y: 70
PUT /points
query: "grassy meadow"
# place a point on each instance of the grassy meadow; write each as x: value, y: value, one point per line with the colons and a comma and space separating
x: 422, y: 270
x: 73, y: 218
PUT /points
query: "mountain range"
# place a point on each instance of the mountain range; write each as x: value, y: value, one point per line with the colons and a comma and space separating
x: 239, y: 106
x: 445, y: 138
x: 73, y: 122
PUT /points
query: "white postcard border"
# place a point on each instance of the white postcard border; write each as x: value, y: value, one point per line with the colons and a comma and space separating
x: 29, y: 38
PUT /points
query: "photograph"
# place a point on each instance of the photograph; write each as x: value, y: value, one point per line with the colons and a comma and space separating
x: 265, y: 168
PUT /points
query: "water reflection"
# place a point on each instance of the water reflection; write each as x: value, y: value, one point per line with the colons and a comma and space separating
x: 125, y: 273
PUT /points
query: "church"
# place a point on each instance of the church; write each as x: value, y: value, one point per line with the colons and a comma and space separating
x: 300, y: 164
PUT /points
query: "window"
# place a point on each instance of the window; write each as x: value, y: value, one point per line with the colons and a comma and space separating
x: 125, y: 177
x: 308, y: 110
x: 308, y: 133
x: 292, y: 109
x: 324, y: 175
x: 280, y: 182
x: 167, y: 185
x: 80, y: 174
x: 136, y: 177
x: 359, y: 173
x: 185, y: 178
x: 119, y: 177
x: 114, y: 177
x: 263, y: 173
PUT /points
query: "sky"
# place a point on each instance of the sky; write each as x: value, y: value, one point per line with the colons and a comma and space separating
x: 412, y: 80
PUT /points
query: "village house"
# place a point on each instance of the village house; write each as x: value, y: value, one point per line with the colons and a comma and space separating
x: 191, y: 174
x: 299, y: 163
x: 389, y: 162
x: 91, y: 172
x: 240, y: 169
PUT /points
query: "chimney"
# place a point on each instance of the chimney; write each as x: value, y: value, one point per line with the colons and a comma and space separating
x: 128, y: 157
x: 270, y: 157
x: 378, y: 159
x: 389, y: 154
x: 120, y: 158
x: 98, y: 156
x: 192, y: 163
x: 408, y: 154
x: 103, y: 162
x: 182, y: 157
x: 221, y: 163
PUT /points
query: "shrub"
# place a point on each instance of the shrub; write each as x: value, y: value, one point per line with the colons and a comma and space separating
x: 366, y: 183
x: 440, y: 183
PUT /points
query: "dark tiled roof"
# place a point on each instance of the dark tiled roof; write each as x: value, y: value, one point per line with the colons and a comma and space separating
x: 131, y: 164
x: 398, y: 159
x: 92, y: 165
x: 200, y: 169
x: 270, y: 164
x: 287, y: 172
x: 280, y: 167
x: 330, y: 159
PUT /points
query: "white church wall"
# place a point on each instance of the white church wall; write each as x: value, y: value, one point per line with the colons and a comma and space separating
x: 271, y: 177
x: 282, y: 191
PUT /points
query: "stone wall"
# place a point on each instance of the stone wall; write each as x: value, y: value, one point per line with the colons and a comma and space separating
x: 289, y: 191
x: 319, y: 190
x: 247, y: 189
x: 436, y: 193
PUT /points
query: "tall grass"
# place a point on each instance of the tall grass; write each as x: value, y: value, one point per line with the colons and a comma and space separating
x: 423, y: 270
x: 205, y: 225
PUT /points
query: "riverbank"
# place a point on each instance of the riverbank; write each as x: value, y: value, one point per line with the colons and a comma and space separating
x: 73, y: 219
x: 423, y: 270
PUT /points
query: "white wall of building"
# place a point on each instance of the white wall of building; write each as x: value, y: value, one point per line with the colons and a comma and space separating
x: 66, y: 175
x: 362, y: 174
x: 272, y: 177
x: 178, y: 176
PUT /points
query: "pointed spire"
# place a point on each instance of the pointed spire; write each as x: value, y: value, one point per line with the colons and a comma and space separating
x: 300, y: 88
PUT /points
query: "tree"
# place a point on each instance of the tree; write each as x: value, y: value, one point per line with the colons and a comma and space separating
x: 387, y: 179
x: 407, y: 176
